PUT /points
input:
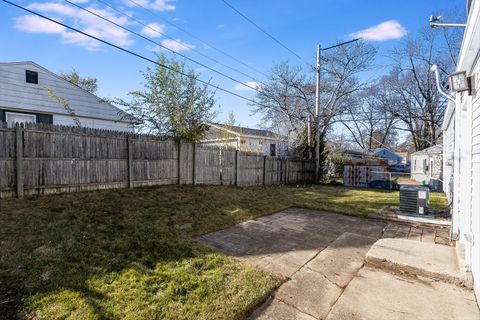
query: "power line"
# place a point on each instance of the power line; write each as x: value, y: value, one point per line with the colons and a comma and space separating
x: 177, y: 41
x: 127, y: 51
x: 265, y: 32
x: 197, y: 38
x: 160, y: 45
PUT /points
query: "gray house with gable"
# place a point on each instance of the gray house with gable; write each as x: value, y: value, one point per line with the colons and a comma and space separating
x: 24, y: 97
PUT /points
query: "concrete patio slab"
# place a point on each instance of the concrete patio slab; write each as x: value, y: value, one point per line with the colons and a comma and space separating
x: 418, y: 258
x: 376, y: 294
x: 277, y: 310
x: 341, y: 260
x: 321, y: 257
x: 310, y: 292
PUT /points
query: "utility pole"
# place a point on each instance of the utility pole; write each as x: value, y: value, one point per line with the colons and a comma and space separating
x: 309, y: 136
x: 317, y: 118
x: 317, y: 106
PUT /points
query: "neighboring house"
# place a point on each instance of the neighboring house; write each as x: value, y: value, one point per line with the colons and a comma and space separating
x: 24, y: 97
x: 356, y: 154
x: 461, y: 125
x: 405, y: 157
x: 246, y: 139
x: 388, y: 155
x: 427, y: 164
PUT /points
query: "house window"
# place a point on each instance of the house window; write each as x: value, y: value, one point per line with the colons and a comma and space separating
x: 12, y: 118
x: 242, y: 141
x: 273, y: 151
x: 425, y: 165
x: 31, y: 76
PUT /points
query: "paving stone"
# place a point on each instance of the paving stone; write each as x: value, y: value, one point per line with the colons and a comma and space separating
x: 367, y: 228
x: 444, y: 241
x: 415, y: 236
x: 416, y: 230
x: 301, y: 256
x: 309, y: 292
x: 376, y: 294
x: 341, y: 260
x: 428, y: 235
x: 279, y: 265
x: 320, y: 240
x: 442, y: 233
x: 389, y: 234
x: 277, y: 310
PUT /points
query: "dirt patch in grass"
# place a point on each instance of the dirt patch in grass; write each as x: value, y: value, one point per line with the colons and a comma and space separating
x: 128, y: 254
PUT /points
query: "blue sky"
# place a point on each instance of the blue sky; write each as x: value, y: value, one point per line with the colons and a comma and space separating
x: 299, y: 24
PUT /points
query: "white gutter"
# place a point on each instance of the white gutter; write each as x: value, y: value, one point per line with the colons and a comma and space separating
x: 451, y: 104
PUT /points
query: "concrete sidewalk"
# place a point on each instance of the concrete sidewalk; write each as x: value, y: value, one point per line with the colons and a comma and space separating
x: 321, y: 256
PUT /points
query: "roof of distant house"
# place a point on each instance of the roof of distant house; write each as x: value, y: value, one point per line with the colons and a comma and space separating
x: 248, y: 131
x: 436, y: 149
x: 386, y: 149
x: 403, y: 154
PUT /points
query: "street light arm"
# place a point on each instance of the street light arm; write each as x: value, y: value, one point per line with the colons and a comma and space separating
x: 447, y: 25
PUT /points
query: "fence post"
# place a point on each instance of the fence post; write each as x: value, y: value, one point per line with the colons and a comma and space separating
x: 194, y: 152
x: 237, y: 165
x: 130, y: 161
x: 281, y: 171
x: 179, y: 169
x: 264, y: 169
x: 19, y: 160
x: 286, y: 171
x: 303, y: 171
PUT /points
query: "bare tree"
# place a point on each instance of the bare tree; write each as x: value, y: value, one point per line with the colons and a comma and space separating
x: 420, y: 107
x: 369, y: 119
x: 288, y: 97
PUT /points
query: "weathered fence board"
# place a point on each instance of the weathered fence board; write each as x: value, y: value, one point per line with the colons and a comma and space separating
x: 56, y: 159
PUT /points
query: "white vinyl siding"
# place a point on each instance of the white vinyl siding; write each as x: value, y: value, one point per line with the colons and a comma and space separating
x: 90, y: 123
x: 18, y: 95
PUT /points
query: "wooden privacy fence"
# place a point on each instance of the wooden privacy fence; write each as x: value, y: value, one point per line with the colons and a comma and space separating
x: 43, y: 158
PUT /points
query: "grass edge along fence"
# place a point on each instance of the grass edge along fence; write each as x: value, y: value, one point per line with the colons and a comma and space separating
x: 38, y: 158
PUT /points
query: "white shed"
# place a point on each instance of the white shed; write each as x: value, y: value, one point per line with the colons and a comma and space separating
x: 427, y: 164
x: 24, y: 97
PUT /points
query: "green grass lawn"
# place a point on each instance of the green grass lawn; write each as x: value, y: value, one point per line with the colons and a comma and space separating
x: 129, y: 254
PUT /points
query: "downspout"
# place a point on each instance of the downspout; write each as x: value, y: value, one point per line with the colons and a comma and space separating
x: 434, y: 68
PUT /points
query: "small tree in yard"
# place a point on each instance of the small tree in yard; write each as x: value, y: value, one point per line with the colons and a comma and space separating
x: 171, y: 103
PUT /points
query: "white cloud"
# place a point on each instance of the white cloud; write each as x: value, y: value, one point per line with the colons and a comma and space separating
x: 176, y: 45
x: 241, y: 87
x: 153, y: 30
x: 158, y: 5
x: 387, y: 30
x: 53, y: 7
x: 82, y: 20
x: 35, y: 24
